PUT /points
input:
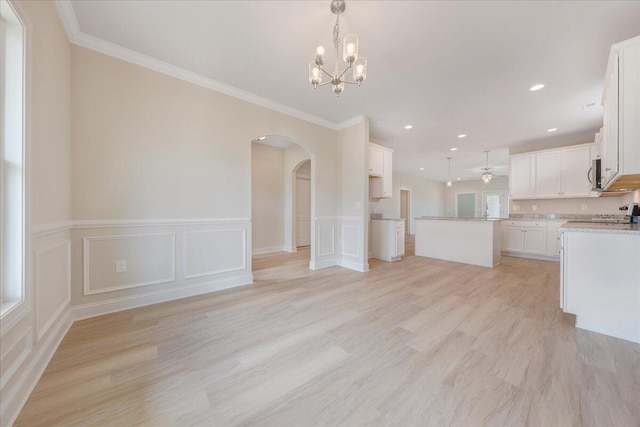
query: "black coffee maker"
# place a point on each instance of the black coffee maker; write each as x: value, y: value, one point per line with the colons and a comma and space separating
x: 633, y: 212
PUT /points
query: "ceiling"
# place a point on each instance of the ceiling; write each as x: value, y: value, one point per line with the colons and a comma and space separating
x: 447, y: 68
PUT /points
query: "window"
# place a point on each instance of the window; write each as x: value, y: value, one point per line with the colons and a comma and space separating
x: 12, y: 148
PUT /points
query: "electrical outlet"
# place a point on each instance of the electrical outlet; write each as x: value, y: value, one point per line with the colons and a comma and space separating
x: 121, y: 266
x: 584, y: 207
x: 534, y: 207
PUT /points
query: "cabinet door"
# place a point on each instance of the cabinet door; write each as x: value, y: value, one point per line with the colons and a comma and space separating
x: 399, y: 241
x: 549, y: 174
x: 535, y: 240
x: 610, y: 160
x: 376, y: 161
x: 553, y: 238
x: 521, y: 174
x: 513, y: 239
x: 575, y: 169
x: 387, y: 174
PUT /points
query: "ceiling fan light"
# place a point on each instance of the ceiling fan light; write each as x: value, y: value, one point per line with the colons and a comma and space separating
x: 486, y: 177
x: 449, y: 183
x: 315, y: 74
x: 360, y: 70
x: 350, y: 48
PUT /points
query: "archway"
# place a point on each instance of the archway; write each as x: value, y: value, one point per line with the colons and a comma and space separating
x: 275, y: 163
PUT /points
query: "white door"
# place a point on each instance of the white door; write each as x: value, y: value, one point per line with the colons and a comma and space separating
x: 575, y: 166
x: 495, y: 204
x: 548, y: 174
x: 303, y: 212
x: 521, y: 175
x: 466, y: 205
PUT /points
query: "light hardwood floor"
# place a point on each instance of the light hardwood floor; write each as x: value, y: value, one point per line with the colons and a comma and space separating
x: 417, y: 342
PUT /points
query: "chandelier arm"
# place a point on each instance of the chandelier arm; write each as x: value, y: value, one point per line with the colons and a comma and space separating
x: 351, y: 83
x: 325, y: 71
x: 323, y: 84
x: 345, y: 70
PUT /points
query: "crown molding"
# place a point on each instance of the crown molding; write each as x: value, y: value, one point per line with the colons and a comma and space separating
x: 77, y: 37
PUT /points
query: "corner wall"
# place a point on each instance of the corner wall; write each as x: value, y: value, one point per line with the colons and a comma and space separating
x: 31, y: 332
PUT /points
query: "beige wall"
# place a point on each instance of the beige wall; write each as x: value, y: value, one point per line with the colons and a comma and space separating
x: 476, y: 186
x: 267, y: 197
x: 293, y: 157
x: 146, y: 145
x: 426, y: 198
x: 554, y: 142
x: 31, y: 332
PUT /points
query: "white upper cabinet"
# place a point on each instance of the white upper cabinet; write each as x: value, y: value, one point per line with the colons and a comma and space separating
x: 380, y: 172
x: 376, y: 160
x: 522, y: 176
x: 576, y: 163
x: 620, y: 150
x: 550, y: 174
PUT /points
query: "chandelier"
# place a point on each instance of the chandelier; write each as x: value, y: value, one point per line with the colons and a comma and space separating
x: 349, y: 55
x: 486, y: 175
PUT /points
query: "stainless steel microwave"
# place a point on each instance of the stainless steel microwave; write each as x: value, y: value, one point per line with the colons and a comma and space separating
x: 595, y: 175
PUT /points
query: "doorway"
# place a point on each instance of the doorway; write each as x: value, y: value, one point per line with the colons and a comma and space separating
x: 302, y: 205
x: 494, y: 204
x: 466, y: 205
x: 405, y: 209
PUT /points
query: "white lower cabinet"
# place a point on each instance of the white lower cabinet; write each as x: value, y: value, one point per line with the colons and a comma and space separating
x: 526, y: 237
x: 387, y: 239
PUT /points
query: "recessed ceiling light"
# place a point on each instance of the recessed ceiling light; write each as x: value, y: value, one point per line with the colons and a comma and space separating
x: 462, y: 135
x: 408, y: 127
x: 421, y: 169
x: 453, y: 149
x: 536, y: 87
x: 552, y: 130
x: 261, y: 138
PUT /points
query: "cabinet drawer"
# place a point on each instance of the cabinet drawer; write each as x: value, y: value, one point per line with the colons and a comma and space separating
x: 528, y: 224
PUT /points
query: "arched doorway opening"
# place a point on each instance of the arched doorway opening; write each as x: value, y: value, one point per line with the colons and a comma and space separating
x: 282, y: 197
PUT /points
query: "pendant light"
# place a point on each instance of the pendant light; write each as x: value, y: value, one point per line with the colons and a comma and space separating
x: 449, y: 181
x: 486, y: 175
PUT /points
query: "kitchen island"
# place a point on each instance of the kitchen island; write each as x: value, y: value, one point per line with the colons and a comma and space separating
x: 474, y: 241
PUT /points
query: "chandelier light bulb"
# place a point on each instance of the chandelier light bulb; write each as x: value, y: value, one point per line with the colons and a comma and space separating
x: 315, y: 74
x: 350, y: 51
x: 320, y: 55
x: 360, y: 70
x: 320, y: 50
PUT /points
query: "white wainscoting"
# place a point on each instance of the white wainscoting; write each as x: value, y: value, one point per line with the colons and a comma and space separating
x: 211, y: 252
x: 14, y: 354
x: 325, y: 243
x: 166, y: 260
x: 351, y: 240
x: 151, y: 260
x: 53, y: 284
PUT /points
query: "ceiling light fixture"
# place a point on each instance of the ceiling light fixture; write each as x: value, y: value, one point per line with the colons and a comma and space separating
x: 449, y: 181
x: 486, y: 175
x: 462, y: 135
x: 349, y: 55
x: 421, y: 169
x: 408, y: 127
x: 453, y: 149
x: 552, y: 130
x: 536, y: 87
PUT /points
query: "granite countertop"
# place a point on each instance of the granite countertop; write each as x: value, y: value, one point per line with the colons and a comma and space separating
x: 387, y: 219
x: 595, y: 227
x: 453, y: 218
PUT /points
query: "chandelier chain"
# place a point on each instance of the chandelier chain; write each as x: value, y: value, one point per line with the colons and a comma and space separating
x: 336, y: 33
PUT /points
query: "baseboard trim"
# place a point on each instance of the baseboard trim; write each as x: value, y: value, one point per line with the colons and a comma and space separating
x: 86, y: 311
x: 15, y: 401
x: 323, y: 263
x: 531, y: 256
x: 354, y: 265
x: 268, y: 250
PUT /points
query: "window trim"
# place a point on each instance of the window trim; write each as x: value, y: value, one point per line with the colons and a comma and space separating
x: 13, y: 312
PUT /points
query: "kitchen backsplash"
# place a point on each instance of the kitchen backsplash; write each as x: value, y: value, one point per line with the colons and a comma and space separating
x: 586, y: 206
